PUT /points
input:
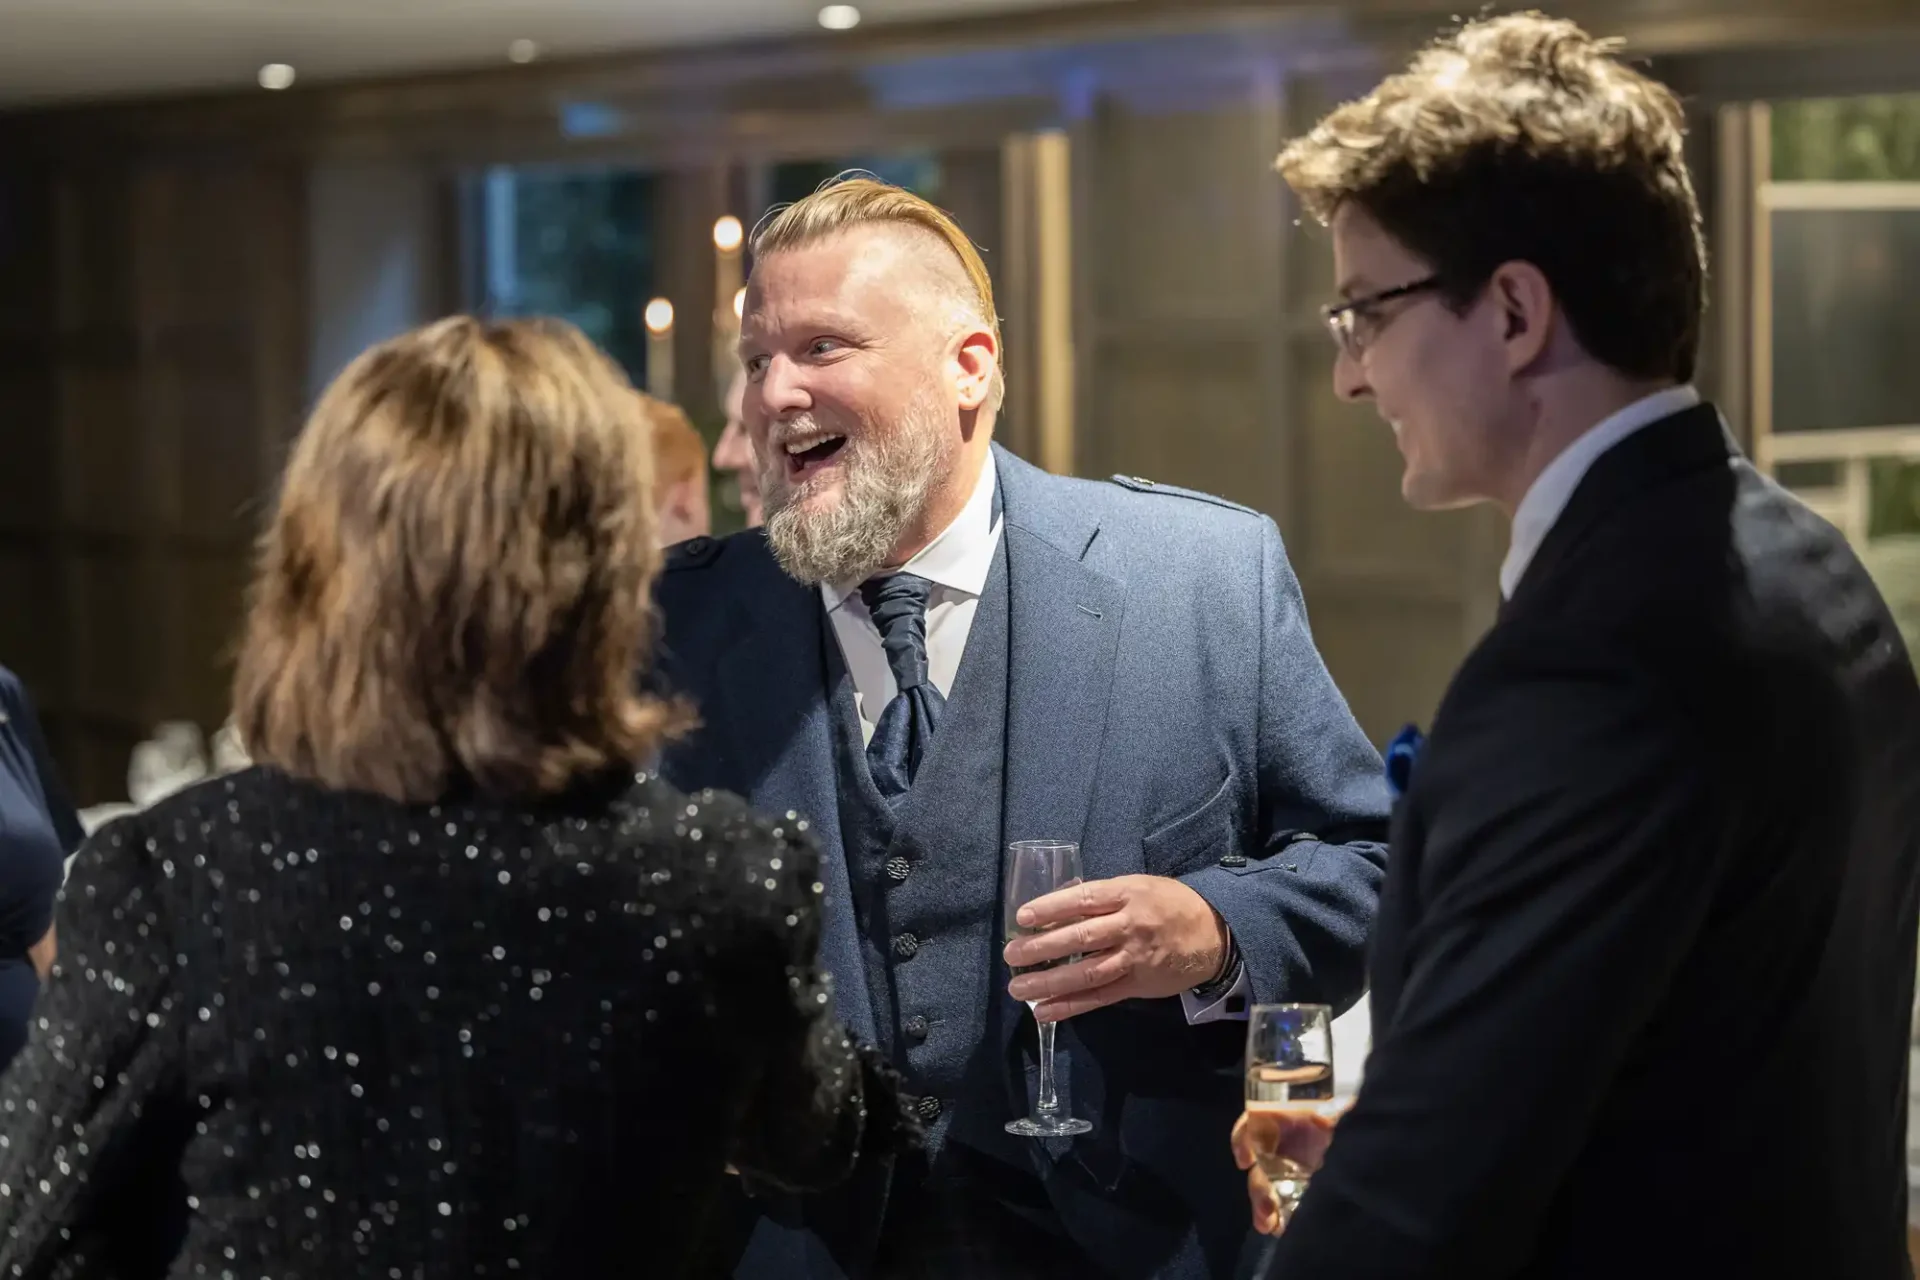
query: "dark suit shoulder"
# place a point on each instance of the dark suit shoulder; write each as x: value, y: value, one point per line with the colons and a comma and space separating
x: 1528, y: 647
x: 1138, y: 484
x: 701, y: 571
x: 735, y: 552
x: 695, y: 553
x: 1552, y: 705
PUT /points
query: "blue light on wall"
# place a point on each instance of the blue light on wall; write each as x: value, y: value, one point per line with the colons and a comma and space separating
x: 590, y: 120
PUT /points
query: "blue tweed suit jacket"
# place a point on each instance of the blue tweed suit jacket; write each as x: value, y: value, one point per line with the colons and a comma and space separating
x: 1166, y: 707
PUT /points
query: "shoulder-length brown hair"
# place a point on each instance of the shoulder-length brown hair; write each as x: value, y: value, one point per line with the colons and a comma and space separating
x: 455, y: 587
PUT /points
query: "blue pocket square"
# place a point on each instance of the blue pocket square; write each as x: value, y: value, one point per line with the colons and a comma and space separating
x: 1400, y: 756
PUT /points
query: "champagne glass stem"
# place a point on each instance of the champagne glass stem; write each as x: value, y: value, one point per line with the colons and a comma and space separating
x: 1049, y: 1101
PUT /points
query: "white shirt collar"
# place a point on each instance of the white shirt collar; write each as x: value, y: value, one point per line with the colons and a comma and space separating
x: 1551, y: 490
x: 960, y: 558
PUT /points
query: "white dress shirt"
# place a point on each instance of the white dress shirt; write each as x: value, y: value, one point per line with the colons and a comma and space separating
x: 956, y: 563
x: 1547, y: 497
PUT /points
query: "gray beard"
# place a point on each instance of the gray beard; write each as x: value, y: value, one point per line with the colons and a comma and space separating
x: 887, y: 483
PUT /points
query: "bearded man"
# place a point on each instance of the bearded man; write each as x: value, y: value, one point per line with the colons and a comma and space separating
x: 932, y: 650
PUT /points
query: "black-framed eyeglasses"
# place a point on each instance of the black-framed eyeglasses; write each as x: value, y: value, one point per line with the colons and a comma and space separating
x: 1343, y: 321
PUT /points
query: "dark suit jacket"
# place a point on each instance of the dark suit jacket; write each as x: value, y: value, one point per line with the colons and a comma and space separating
x: 38, y: 829
x: 1167, y: 708
x: 1644, y: 967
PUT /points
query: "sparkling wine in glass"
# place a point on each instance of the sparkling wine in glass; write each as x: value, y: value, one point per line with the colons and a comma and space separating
x: 1036, y: 868
x: 1289, y: 1068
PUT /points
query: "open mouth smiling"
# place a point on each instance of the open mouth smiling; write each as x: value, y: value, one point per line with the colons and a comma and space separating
x: 809, y: 454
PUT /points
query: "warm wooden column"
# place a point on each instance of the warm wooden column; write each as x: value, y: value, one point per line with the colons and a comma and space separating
x: 167, y: 324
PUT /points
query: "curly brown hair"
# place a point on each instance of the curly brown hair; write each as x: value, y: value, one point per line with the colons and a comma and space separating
x: 1523, y: 138
x: 454, y: 591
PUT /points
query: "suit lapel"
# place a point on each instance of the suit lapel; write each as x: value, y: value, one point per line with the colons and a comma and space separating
x: 1654, y: 455
x: 1063, y: 633
x: 771, y: 709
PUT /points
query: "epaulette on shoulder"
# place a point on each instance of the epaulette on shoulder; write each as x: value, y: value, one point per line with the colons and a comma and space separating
x: 1139, y: 485
x: 694, y: 553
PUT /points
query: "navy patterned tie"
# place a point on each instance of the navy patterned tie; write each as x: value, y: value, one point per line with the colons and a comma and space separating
x: 898, y: 605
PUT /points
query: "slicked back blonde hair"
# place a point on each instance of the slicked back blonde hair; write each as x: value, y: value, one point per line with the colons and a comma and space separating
x: 454, y: 591
x: 857, y: 200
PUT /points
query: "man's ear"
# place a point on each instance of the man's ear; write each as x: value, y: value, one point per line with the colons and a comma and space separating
x: 1525, y: 309
x: 975, y: 362
x: 677, y: 501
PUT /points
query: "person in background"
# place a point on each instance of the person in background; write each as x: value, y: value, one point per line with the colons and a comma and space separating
x: 38, y: 829
x: 439, y: 987
x: 1644, y: 965
x: 734, y: 452
x: 933, y: 649
x: 680, y: 501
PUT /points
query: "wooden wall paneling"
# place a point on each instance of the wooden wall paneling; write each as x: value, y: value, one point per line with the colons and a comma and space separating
x: 100, y: 502
x: 1185, y: 410
x: 972, y: 189
x: 688, y: 202
x: 1035, y: 292
x: 235, y: 373
x: 33, y: 644
x: 179, y: 371
x: 1730, y: 158
x: 1390, y: 652
x: 32, y: 603
x: 1179, y: 285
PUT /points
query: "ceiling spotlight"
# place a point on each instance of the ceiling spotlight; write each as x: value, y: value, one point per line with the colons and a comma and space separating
x: 522, y: 51
x: 739, y: 302
x: 659, y: 316
x: 276, y: 75
x: 839, y: 17
x: 727, y: 233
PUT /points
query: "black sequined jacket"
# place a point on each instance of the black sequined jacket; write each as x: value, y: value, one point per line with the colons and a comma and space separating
x: 299, y: 1033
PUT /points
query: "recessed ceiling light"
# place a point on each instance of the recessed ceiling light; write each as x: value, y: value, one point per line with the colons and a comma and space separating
x: 522, y: 51
x: 839, y: 17
x: 276, y: 75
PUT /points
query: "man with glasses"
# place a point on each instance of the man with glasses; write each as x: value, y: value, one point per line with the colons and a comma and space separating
x: 1644, y: 963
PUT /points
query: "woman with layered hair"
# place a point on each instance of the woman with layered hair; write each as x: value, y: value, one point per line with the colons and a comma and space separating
x: 440, y: 986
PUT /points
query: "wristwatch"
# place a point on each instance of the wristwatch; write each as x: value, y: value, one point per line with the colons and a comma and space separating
x: 1229, y: 968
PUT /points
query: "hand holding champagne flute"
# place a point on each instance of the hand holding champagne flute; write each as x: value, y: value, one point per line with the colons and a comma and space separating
x: 1036, y: 868
x: 1290, y: 1108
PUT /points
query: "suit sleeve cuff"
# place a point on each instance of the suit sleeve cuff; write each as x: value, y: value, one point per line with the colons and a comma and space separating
x: 1213, y: 1004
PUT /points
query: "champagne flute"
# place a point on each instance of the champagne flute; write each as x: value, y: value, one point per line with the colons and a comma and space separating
x: 1036, y: 868
x: 1289, y: 1068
